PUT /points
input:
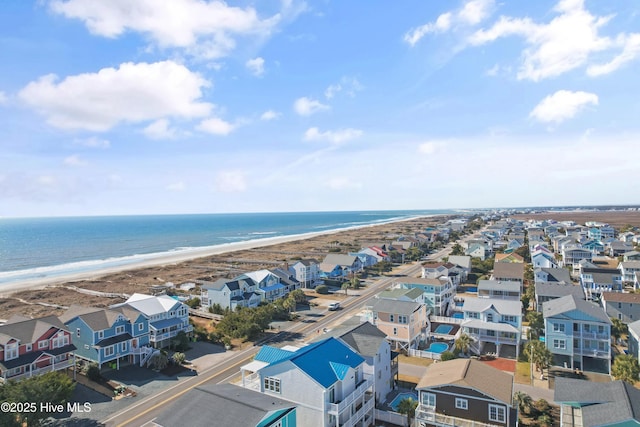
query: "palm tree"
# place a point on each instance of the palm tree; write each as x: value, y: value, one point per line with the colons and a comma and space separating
x: 618, y: 328
x: 524, y: 401
x: 289, y: 303
x: 408, y: 407
x: 463, y: 343
x: 625, y: 367
x: 345, y: 287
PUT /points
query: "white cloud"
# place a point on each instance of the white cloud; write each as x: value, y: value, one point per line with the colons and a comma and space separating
x: 630, y: 50
x: 335, y: 137
x: 306, y: 106
x: 160, y: 129
x: 93, y: 142
x: 216, y: 126
x: 563, y: 44
x: 562, y: 105
x: 472, y: 13
x: 176, y: 186
x: 130, y: 93
x: 430, y: 147
x: 270, y: 115
x: 206, y: 29
x: 230, y: 181
x: 3, y: 98
x: 256, y: 66
x: 348, y: 85
x: 74, y: 160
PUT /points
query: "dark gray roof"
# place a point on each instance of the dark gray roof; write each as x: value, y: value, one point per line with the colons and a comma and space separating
x: 221, y: 404
x: 602, y: 275
x: 365, y: 339
x: 97, y: 319
x: 556, y: 274
x: 602, y: 403
x: 571, y: 302
x: 28, y: 331
x: 384, y: 305
x: 558, y: 290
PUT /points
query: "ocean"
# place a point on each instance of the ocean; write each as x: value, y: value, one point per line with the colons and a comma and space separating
x: 33, y: 248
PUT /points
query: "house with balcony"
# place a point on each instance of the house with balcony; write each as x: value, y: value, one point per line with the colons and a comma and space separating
x: 306, y: 271
x: 476, y: 250
x: 595, y: 281
x: 381, y: 363
x: 578, y: 334
x: 437, y: 293
x: 226, y: 405
x: 618, y: 248
x: 339, y: 266
x: 463, y: 265
x: 595, y: 246
x: 628, y: 269
x: 508, y: 271
x: 271, y: 284
x: 465, y: 392
x: 494, y: 325
x: 167, y: 317
x: 634, y: 339
x: 631, y: 256
x: 621, y: 306
x: 110, y: 336
x: 326, y: 381
x: 403, y: 322
x: 551, y: 275
x: 231, y: 294
x: 547, y: 291
x: 498, y: 289
x: 31, y: 347
x: 573, y: 254
x: 588, y: 403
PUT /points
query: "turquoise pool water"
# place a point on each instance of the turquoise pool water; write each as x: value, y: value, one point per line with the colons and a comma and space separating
x: 443, y: 329
x: 458, y: 315
x: 396, y: 401
x: 438, y: 347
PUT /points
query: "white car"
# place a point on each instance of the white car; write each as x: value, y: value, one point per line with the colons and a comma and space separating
x: 334, y: 306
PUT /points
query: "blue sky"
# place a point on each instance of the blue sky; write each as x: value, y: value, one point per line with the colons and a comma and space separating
x: 193, y: 106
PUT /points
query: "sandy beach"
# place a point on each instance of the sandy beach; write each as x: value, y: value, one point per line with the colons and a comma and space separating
x: 28, y: 296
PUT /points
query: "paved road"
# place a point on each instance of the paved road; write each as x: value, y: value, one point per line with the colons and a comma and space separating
x: 143, y: 412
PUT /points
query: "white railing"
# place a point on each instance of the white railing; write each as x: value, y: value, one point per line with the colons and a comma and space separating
x: 441, y: 319
x: 428, y: 414
x: 391, y: 417
x: 424, y: 354
x: 251, y: 381
x: 50, y: 368
x: 359, y: 414
x: 495, y: 339
x: 171, y: 334
x: 595, y: 335
x: 338, y: 408
x: 591, y: 352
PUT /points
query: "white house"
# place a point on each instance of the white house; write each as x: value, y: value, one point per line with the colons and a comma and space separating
x: 495, y: 325
x: 306, y: 271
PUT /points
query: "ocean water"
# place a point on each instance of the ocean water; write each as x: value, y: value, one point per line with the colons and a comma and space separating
x: 41, y: 247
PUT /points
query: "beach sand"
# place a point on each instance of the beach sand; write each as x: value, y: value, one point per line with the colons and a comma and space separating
x: 27, y: 297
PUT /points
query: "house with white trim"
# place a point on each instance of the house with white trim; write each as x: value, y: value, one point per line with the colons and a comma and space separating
x: 495, y: 325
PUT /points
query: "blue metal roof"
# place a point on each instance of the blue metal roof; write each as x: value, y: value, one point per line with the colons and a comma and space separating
x: 270, y: 355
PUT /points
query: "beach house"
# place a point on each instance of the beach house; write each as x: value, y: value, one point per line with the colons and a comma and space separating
x: 634, y: 339
x: 437, y: 293
x: 403, y: 322
x: 594, y: 281
x: 339, y: 266
x: 498, y: 289
x: 229, y: 294
x: 167, y: 317
x: 326, y: 380
x: 494, y: 325
x: 547, y: 291
x: 465, y: 392
x: 555, y: 275
x: 628, y: 269
x: 31, y: 347
x: 621, y: 306
x: 306, y: 271
x: 508, y: 271
x: 108, y: 336
x: 578, y: 334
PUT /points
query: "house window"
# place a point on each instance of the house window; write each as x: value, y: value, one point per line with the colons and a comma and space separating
x: 11, y: 351
x: 119, y: 330
x: 428, y: 399
x: 462, y: 403
x: 272, y: 384
x: 558, y: 327
x: 77, y: 332
x: 42, y: 344
x: 123, y: 346
x: 559, y: 344
x: 332, y: 395
x: 100, y: 335
x: 28, y: 348
x: 391, y: 318
x: 489, y: 317
x: 402, y: 319
x: 619, y: 305
x: 140, y: 326
x: 60, y: 341
x: 108, y: 351
x: 395, y: 331
x: 497, y: 413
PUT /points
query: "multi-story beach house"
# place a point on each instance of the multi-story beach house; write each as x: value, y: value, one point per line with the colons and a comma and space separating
x: 238, y: 292
x: 31, y: 347
x: 465, y: 392
x: 618, y: 248
x: 306, y: 271
x: 551, y: 275
x: 578, y: 334
x: 621, y: 306
x: 495, y: 325
x: 108, y: 336
x: 588, y: 403
x: 634, y: 339
x: 573, y: 254
x: 628, y: 269
x: 547, y: 291
x: 499, y: 290
x: 543, y: 259
x: 326, y: 380
x: 463, y: 264
x: 403, y: 322
x: 167, y: 317
x: 437, y: 293
x: 594, y: 281
x: 508, y: 271
x: 339, y: 266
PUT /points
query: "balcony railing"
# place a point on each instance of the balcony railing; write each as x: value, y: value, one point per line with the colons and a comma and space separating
x: 592, y: 352
x: 428, y: 414
x: 359, y: 414
x: 594, y: 335
x: 55, y: 367
x: 339, y: 407
x: 170, y: 334
x: 494, y: 339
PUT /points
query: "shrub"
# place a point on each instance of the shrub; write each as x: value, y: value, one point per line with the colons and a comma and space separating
x: 179, y: 358
x: 447, y: 355
x: 193, y: 302
x: 322, y: 289
x: 93, y: 372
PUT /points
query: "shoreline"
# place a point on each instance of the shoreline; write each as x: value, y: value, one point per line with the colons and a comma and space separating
x: 178, y: 257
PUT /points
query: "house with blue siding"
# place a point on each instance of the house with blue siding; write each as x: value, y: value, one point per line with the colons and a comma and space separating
x: 108, y: 336
x: 578, y: 334
x: 437, y: 293
x: 634, y: 339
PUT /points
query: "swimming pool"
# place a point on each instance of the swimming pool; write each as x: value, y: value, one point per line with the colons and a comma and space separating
x: 396, y: 401
x: 443, y: 329
x: 458, y: 315
x: 438, y: 347
x: 472, y: 289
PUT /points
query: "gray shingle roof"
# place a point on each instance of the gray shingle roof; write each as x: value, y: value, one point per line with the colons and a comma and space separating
x: 602, y: 403
x: 28, y: 331
x: 556, y: 274
x: 383, y: 305
x: 570, y: 303
x: 555, y: 289
x: 97, y: 319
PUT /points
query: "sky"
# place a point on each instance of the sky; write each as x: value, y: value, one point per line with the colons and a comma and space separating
x: 191, y: 106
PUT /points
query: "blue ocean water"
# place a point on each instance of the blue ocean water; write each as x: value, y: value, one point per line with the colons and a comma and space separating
x: 40, y: 247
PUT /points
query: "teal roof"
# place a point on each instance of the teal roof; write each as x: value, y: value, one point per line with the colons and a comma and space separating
x: 339, y: 369
x: 270, y: 355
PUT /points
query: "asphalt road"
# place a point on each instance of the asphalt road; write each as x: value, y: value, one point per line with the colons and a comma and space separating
x: 144, y: 412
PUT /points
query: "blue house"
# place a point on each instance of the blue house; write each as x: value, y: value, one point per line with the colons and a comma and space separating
x: 113, y: 336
